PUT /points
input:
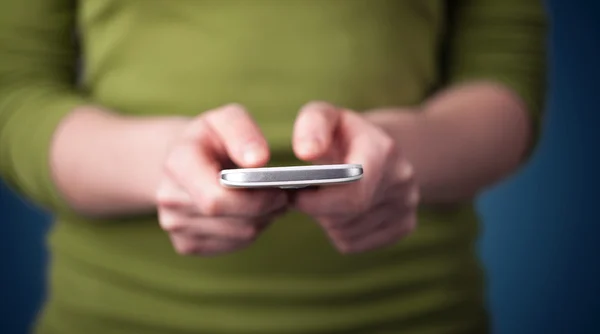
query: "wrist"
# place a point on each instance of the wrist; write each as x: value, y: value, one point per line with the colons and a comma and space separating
x: 411, y: 130
x: 154, y: 137
x: 401, y: 124
x: 106, y: 164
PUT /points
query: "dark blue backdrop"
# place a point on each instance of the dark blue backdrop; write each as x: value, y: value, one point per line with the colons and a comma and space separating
x: 541, y: 235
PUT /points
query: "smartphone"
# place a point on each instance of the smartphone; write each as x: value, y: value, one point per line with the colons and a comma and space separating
x: 292, y: 177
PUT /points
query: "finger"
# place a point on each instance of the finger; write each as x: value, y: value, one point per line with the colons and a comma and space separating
x: 196, y: 171
x: 345, y: 232
x: 194, y: 157
x: 366, y: 145
x: 174, y: 221
x: 170, y: 195
x: 314, y: 130
x: 249, y: 203
x: 189, y: 245
x: 399, y: 175
x: 390, y: 233
x: 241, y: 137
x: 403, y: 195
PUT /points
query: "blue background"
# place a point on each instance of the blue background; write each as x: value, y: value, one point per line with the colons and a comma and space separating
x: 541, y: 232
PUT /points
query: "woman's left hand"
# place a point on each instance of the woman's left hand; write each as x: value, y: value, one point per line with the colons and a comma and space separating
x: 374, y: 212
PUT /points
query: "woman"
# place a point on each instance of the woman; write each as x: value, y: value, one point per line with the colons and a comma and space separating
x: 438, y: 100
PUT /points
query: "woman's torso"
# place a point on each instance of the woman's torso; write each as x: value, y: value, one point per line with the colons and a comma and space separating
x: 186, y: 56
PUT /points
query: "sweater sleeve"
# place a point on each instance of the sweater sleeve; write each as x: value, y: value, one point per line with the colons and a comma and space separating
x: 502, y: 41
x: 37, y: 89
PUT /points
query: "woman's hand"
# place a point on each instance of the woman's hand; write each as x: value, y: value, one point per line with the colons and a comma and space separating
x: 201, y: 216
x: 374, y: 212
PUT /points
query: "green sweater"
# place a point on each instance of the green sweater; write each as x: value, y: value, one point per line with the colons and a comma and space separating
x: 151, y: 57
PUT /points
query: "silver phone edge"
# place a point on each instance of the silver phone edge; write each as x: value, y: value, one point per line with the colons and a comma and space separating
x: 290, y: 168
x: 289, y: 184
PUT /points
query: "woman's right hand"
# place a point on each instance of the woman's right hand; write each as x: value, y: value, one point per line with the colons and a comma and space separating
x: 201, y: 216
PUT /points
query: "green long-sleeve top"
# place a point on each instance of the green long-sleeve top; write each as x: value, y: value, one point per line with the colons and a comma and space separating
x: 180, y: 57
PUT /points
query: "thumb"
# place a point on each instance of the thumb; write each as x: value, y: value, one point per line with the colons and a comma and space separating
x: 239, y: 135
x: 314, y: 130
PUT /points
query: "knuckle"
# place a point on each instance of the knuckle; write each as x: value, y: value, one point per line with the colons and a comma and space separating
x: 406, y: 173
x: 171, y: 223
x: 344, y: 247
x: 212, y: 205
x: 249, y: 234
x: 388, y: 146
x: 163, y: 197
x: 176, y: 159
x: 341, y: 241
x: 186, y: 248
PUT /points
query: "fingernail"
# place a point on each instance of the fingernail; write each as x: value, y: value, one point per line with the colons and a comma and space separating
x: 252, y: 154
x: 309, y: 146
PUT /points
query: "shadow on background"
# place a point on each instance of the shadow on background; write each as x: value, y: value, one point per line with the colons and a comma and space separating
x: 541, y: 236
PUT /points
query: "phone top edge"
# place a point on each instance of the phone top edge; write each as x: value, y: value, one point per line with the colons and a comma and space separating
x: 292, y: 168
